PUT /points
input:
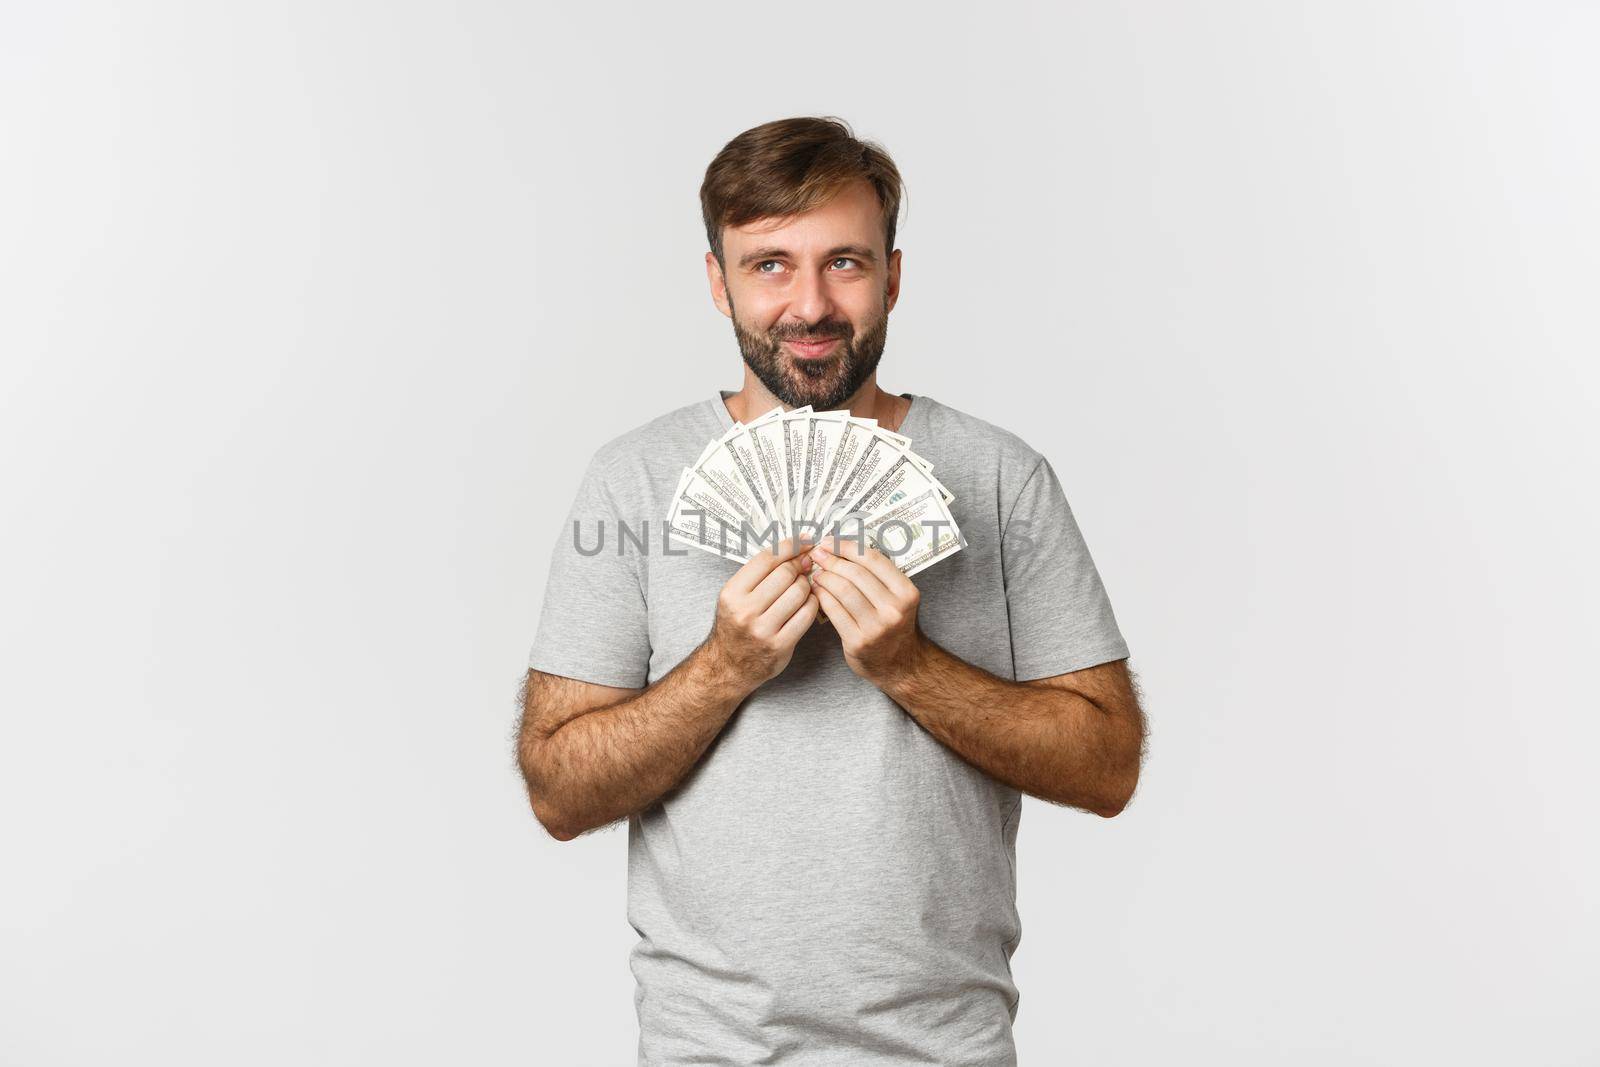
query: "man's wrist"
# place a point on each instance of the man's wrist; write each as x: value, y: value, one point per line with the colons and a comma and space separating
x: 898, y: 679
x: 721, y: 676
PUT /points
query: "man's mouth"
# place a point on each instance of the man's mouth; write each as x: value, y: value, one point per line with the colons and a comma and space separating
x: 812, y: 349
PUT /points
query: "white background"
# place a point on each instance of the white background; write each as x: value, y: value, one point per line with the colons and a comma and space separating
x: 311, y: 313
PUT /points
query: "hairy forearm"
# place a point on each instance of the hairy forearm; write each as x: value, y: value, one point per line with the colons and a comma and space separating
x: 1047, y: 741
x: 617, y: 760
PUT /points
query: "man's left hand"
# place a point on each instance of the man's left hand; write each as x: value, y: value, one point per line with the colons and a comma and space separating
x: 872, y: 605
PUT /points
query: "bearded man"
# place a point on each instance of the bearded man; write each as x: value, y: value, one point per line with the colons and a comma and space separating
x: 822, y: 819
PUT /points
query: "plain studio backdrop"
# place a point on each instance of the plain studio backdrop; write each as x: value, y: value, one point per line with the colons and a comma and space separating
x: 312, y: 313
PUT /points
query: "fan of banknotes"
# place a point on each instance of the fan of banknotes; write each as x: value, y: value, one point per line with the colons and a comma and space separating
x: 821, y: 474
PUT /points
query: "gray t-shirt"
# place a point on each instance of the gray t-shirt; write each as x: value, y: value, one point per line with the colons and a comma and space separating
x: 829, y: 885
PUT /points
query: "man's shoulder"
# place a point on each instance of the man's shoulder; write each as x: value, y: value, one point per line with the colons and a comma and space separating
x: 668, y: 434
x: 639, y: 463
x: 977, y: 439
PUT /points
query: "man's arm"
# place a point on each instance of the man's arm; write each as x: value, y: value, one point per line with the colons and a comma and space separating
x: 591, y: 754
x: 1075, y: 738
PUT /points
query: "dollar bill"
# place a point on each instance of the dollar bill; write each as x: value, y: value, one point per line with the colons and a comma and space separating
x: 822, y: 473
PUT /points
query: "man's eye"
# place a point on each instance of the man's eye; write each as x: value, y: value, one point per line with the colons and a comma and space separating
x: 761, y: 267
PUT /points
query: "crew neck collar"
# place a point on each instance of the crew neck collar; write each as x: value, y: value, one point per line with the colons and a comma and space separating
x: 719, y: 407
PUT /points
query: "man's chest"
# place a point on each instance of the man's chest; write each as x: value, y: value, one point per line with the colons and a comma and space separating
x: 962, y: 597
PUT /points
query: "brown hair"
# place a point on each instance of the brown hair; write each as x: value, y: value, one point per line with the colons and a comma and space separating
x: 791, y: 166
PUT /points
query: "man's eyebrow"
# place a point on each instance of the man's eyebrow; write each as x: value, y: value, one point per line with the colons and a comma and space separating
x: 772, y: 252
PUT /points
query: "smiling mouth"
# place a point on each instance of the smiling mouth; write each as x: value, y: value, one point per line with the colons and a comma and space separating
x: 812, y: 348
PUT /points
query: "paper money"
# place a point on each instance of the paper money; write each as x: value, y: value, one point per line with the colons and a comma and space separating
x: 821, y: 474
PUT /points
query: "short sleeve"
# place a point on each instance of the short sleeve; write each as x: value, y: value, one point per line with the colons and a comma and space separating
x: 1061, y: 618
x: 593, y: 625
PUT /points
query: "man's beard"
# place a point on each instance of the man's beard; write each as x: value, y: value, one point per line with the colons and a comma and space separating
x: 824, y: 383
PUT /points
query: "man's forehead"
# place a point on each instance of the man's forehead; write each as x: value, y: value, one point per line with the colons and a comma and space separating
x: 848, y: 218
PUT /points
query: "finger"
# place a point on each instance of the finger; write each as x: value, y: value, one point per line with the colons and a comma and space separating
x: 838, y: 615
x: 752, y: 572
x: 841, y: 543
x: 787, y: 603
x: 773, y: 585
x: 846, y: 593
x: 869, y: 583
x: 887, y: 571
x: 762, y: 564
x: 801, y: 620
x: 859, y: 548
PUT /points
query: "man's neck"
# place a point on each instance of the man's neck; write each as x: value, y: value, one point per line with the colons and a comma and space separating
x: 868, y: 402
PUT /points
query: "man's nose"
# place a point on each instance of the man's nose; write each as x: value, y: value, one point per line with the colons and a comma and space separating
x: 809, y: 300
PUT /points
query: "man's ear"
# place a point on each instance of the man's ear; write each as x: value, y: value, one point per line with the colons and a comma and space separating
x: 719, y: 285
x: 893, y: 287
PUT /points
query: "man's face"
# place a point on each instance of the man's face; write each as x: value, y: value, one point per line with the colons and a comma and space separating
x: 823, y: 276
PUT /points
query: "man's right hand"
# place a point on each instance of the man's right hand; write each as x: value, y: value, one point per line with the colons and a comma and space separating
x: 762, y: 612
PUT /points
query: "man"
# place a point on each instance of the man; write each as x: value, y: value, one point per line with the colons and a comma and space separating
x: 822, y: 819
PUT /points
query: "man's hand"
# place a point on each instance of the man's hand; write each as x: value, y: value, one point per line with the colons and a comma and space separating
x: 592, y: 754
x: 874, y: 608
x: 1075, y: 738
x: 762, y: 612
